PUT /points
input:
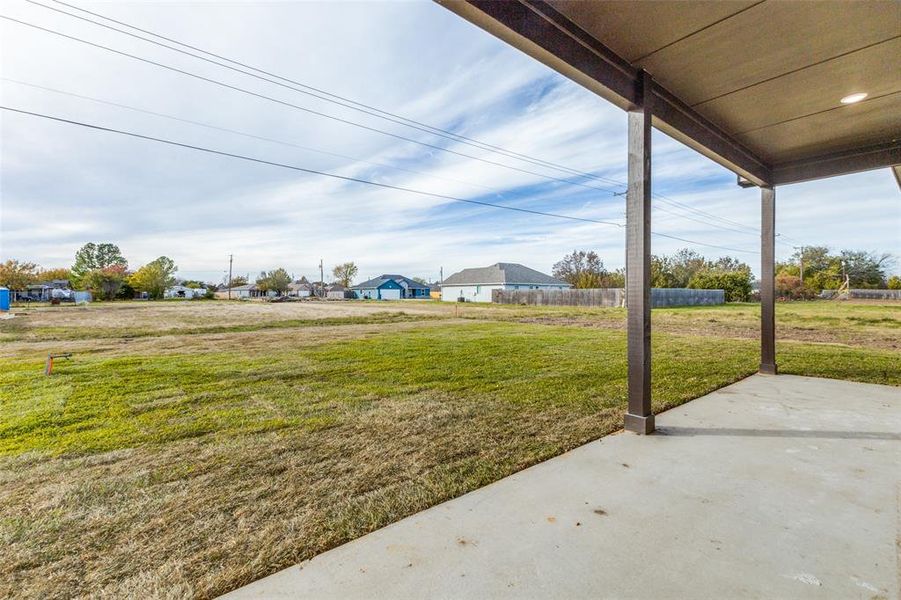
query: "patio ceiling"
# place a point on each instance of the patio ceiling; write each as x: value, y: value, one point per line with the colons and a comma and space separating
x: 756, y: 86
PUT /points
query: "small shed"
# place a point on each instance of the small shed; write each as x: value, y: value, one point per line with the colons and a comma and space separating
x: 336, y: 291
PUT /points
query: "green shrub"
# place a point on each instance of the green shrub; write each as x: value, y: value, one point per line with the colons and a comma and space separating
x: 789, y: 287
x: 736, y: 284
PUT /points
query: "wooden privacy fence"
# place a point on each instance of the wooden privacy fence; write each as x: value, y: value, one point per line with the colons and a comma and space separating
x: 593, y: 297
x: 610, y: 297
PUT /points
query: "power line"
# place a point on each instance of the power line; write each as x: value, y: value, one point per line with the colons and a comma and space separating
x: 689, y: 217
x: 392, y: 119
x: 790, y: 239
x: 298, y: 107
x: 247, y: 134
x: 353, y: 179
x: 747, y: 228
x: 304, y: 169
x: 675, y: 203
x: 690, y: 208
x: 681, y: 239
x: 371, y: 110
x: 316, y: 92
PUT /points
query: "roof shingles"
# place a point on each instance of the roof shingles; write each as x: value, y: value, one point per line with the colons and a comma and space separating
x: 381, y: 279
x: 502, y: 273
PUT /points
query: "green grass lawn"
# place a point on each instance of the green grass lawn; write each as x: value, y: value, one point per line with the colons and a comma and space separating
x: 190, y: 460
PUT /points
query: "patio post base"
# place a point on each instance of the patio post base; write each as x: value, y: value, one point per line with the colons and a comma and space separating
x: 638, y: 424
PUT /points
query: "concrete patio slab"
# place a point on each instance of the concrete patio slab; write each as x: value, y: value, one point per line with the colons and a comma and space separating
x: 774, y: 487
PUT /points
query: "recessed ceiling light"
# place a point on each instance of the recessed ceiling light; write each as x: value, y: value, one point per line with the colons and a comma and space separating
x: 852, y: 98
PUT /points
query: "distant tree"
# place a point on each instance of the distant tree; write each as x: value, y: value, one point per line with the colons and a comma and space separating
x: 419, y: 280
x: 51, y: 274
x: 661, y: 272
x: 345, y: 273
x: 582, y: 269
x: 728, y: 264
x: 789, y: 287
x: 105, y: 283
x: 616, y: 279
x: 154, y: 277
x: 865, y: 269
x: 822, y: 270
x: 193, y: 284
x: 237, y: 281
x: 126, y: 291
x: 93, y: 256
x: 789, y: 268
x: 276, y: 280
x: 829, y: 278
x: 894, y: 283
x: 17, y: 275
x: 262, y: 282
x: 815, y: 259
x: 685, y: 264
x: 725, y: 273
x: 279, y: 280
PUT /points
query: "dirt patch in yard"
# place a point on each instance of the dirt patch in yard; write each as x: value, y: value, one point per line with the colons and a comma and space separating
x: 94, y: 319
x: 244, y: 341
x: 723, y: 328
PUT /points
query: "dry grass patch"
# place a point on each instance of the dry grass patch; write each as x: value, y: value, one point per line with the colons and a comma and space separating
x: 197, y: 518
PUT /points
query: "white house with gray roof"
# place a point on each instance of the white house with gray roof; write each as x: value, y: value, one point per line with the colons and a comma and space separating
x: 476, y: 285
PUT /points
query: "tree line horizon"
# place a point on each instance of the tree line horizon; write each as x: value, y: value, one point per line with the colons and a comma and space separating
x: 102, y: 269
x: 810, y: 270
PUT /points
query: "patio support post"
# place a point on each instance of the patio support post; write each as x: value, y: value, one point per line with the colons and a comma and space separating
x: 767, y: 280
x: 639, y: 418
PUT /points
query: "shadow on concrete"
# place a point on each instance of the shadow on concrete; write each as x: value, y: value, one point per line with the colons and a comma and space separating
x: 777, y: 433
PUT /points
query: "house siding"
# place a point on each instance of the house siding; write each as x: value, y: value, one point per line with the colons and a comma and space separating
x: 482, y: 292
x: 376, y: 292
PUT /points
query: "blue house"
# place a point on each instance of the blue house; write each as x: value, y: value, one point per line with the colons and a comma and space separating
x: 391, y: 287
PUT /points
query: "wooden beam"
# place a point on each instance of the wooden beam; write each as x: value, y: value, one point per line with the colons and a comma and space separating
x: 839, y: 163
x: 639, y: 417
x: 767, y: 281
x: 580, y: 58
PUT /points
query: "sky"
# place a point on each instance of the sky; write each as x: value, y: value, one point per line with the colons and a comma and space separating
x: 63, y: 185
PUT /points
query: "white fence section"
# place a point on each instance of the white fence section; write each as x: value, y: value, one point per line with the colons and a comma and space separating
x: 875, y: 294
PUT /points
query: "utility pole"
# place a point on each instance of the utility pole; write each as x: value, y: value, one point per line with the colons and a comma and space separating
x: 230, y: 259
x: 801, y: 261
x: 441, y: 276
x: 321, y: 280
x: 625, y: 267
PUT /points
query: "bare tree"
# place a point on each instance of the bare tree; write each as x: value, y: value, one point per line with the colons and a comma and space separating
x: 345, y: 273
